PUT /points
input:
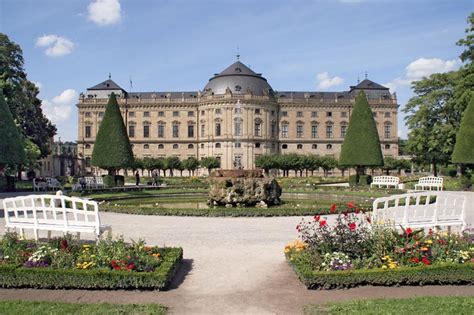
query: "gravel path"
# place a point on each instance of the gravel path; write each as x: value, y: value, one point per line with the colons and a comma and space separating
x: 231, y: 266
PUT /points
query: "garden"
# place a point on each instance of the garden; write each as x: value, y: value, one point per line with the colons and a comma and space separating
x: 352, y: 251
x: 65, y: 263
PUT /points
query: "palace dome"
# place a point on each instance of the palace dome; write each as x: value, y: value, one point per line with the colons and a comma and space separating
x: 239, y: 79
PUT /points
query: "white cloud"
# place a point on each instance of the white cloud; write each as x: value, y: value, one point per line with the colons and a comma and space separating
x: 59, y: 109
x: 326, y: 82
x: 56, y: 46
x: 422, y: 67
x: 104, y: 12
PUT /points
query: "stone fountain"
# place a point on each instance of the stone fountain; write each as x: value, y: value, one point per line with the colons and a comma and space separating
x: 240, y: 188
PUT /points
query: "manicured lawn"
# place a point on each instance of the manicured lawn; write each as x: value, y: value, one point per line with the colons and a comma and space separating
x: 52, y: 308
x: 419, y: 305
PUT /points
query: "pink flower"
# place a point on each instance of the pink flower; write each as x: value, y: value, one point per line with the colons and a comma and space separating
x: 408, y: 231
x: 316, y: 218
x: 352, y: 226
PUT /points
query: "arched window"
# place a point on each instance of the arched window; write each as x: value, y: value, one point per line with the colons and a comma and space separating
x: 329, y: 146
x: 314, y: 146
x: 257, y: 145
x: 387, y: 147
x: 299, y: 146
x: 175, y: 146
x: 190, y: 146
x: 218, y: 145
x: 146, y: 146
x: 284, y: 146
x: 284, y: 129
x: 161, y: 146
x: 88, y: 146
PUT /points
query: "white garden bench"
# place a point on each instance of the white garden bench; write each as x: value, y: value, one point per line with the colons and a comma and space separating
x: 53, y: 183
x: 386, y: 181
x: 39, y: 185
x: 53, y: 213
x: 99, y: 182
x: 421, y: 210
x: 427, y: 183
x: 90, y: 182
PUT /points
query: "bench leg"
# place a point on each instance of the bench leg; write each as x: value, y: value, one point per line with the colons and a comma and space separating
x: 78, y: 235
x: 22, y: 233
x: 35, y: 232
x: 49, y: 235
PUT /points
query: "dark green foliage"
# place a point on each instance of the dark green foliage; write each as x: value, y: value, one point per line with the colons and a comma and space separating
x: 327, y: 163
x: 353, y: 180
x: 119, y: 180
x: 172, y: 163
x: 112, y: 148
x: 450, y: 171
x: 464, y: 147
x: 448, y: 274
x: 47, y: 278
x: 21, y: 96
x: 109, y: 180
x: 365, y: 180
x: 11, y: 143
x: 210, y: 163
x: 191, y: 164
x: 267, y: 162
x: 361, y: 145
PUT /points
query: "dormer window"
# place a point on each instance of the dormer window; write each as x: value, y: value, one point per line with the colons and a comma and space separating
x: 238, y: 88
x: 238, y: 70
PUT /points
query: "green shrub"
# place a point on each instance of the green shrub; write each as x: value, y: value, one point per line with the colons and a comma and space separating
x: 119, y: 180
x: 465, y: 181
x: 3, y: 183
x: 108, y: 180
x: 353, y: 180
x: 365, y: 180
x: 450, y: 171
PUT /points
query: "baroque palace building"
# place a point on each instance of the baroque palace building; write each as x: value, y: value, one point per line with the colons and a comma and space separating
x: 236, y: 117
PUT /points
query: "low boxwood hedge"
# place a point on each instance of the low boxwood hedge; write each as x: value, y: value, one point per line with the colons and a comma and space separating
x: 12, y: 276
x: 446, y: 274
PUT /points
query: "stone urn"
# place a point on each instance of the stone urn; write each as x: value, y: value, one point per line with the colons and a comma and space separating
x: 243, y: 188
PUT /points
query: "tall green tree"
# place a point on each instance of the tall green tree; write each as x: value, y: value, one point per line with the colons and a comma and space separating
x: 464, y: 148
x: 210, y: 163
x: 112, y: 148
x: 172, y: 163
x: 11, y: 143
x: 328, y: 163
x: 361, y: 147
x: 21, y: 96
x: 191, y: 164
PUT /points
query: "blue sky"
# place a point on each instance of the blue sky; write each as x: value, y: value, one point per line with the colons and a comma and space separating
x: 71, y: 45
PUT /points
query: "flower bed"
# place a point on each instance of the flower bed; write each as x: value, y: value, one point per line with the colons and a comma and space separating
x: 352, y: 252
x: 66, y: 264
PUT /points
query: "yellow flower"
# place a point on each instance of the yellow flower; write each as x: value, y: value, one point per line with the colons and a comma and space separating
x: 384, y: 267
x: 429, y: 242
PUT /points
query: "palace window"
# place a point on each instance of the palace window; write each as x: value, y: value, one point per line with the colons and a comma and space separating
x: 314, y: 131
x: 314, y: 114
x: 273, y: 129
x: 329, y: 146
x: 387, y: 114
x: 343, y: 131
x: 284, y: 146
x: 299, y: 146
x: 299, y: 130
x: 175, y: 113
x: 190, y: 131
x: 257, y: 145
x: 237, y: 144
x: 203, y: 113
x: 374, y: 114
x: 202, y: 145
x: 343, y: 114
x: 237, y: 127
x: 88, y: 146
x: 329, y: 131
x: 131, y: 131
x: 218, y: 111
x: 314, y: 146
x: 146, y: 114
x: 203, y: 130
x: 146, y: 146
x: 161, y: 130
x: 218, y: 145
x: 258, y: 129
x: 387, y: 147
x: 131, y: 114
x: 284, y: 113
x: 88, y: 162
x: 218, y: 129
x: 238, y: 110
x: 87, y: 114
x: 299, y: 114
x: 190, y: 113
x: 387, y: 131
x: 284, y: 131
x: 257, y: 111
x: 101, y: 114
x: 190, y: 146
x: 161, y: 146
x: 161, y: 114
x: 328, y: 114
x: 88, y: 131
x: 272, y: 113
x: 175, y: 146
x: 146, y: 131
x: 175, y: 130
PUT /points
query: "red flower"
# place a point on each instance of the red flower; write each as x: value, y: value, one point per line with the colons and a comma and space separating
x: 442, y: 242
x: 333, y: 208
x: 357, y: 211
x: 64, y: 245
x: 369, y: 220
x: 408, y: 231
x: 430, y: 232
x: 352, y: 226
x: 322, y: 223
x: 425, y: 261
x: 415, y: 260
x: 345, y: 213
x: 316, y: 218
x: 351, y: 205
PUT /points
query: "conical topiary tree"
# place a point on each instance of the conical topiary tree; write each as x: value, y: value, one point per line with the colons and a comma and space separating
x: 464, y: 148
x: 112, y: 148
x: 361, y: 147
x: 11, y: 142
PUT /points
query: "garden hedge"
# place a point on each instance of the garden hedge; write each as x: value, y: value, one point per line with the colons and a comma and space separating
x: 12, y: 276
x: 447, y: 274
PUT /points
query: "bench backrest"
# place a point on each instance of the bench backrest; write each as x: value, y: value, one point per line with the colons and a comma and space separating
x: 51, y: 209
x: 431, y: 180
x: 418, y: 208
x: 385, y: 179
x: 99, y: 180
x: 52, y: 181
x: 90, y: 180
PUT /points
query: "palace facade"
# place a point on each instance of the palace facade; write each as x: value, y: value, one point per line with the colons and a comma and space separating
x: 236, y: 117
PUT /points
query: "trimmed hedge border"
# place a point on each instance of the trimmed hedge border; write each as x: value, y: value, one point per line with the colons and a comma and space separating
x: 222, y: 212
x: 47, y: 278
x: 446, y: 274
